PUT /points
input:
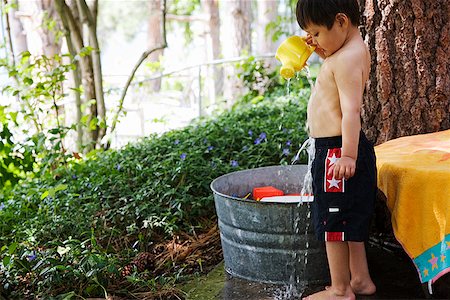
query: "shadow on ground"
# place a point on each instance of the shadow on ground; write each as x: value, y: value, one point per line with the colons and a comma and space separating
x: 393, y: 273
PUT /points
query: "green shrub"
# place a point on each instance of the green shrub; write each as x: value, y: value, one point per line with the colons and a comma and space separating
x: 73, y: 231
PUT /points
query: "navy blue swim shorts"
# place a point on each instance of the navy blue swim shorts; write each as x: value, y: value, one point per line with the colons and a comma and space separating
x: 342, y: 209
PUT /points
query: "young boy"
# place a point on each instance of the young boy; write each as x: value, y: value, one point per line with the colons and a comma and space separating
x: 343, y: 170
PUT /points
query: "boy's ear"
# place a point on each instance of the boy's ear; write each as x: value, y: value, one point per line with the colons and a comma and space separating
x: 342, y: 19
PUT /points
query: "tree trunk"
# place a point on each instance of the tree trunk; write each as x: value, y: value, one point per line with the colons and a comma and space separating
x: 267, y: 12
x: 51, y: 45
x: 155, y: 37
x: 90, y: 19
x: 237, y: 26
x: 72, y: 24
x: 18, y: 34
x: 241, y: 13
x: 409, y: 87
x: 7, y: 35
x: 212, y: 11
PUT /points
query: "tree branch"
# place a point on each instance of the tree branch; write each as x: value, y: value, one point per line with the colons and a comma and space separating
x: 133, y: 72
x: 9, y: 36
x: 187, y: 18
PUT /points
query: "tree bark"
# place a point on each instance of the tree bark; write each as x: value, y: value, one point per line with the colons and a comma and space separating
x: 154, y: 37
x: 51, y: 45
x: 238, y: 13
x: 267, y: 12
x: 8, y: 38
x: 72, y: 24
x: 76, y: 78
x: 241, y: 12
x: 90, y: 19
x: 409, y: 87
x: 212, y: 10
x: 18, y: 35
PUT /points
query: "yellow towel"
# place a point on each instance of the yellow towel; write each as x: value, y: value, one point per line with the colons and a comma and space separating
x: 414, y: 174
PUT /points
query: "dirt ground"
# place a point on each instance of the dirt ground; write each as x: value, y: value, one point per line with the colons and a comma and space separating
x: 392, y: 271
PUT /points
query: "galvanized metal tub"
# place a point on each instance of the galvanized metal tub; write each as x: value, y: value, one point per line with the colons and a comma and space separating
x: 267, y: 242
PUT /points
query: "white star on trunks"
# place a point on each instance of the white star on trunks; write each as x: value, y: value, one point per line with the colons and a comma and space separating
x: 333, y: 159
x: 334, y: 183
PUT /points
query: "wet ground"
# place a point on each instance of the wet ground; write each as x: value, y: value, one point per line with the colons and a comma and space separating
x: 393, y: 273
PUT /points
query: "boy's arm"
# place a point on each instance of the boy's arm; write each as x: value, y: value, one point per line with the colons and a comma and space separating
x: 348, y: 76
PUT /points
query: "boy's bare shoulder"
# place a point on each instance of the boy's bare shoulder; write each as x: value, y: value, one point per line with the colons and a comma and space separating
x: 355, y: 55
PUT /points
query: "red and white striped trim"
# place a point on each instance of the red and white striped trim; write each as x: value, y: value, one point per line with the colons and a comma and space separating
x: 334, y: 236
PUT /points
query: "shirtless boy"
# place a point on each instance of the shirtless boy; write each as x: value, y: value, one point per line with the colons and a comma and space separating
x: 343, y: 170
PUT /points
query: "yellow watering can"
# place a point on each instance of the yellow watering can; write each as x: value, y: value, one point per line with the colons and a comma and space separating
x: 293, y: 54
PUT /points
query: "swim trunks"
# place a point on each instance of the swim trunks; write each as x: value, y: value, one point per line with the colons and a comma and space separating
x: 342, y: 209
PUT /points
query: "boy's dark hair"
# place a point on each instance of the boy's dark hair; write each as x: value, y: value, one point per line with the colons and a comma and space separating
x: 323, y: 12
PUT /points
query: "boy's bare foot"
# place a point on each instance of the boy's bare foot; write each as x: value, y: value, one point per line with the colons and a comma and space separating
x: 330, y: 294
x: 366, y: 287
x: 361, y: 288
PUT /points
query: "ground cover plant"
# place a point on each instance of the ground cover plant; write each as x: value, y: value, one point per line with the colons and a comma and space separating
x: 137, y: 221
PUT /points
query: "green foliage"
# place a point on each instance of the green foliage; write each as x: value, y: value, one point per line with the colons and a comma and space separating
x: 281, y: 25
x: 16, y: 161
x: 136, y: 13
x: 261, y: 79
x: 183, y: 8
x: 37, y: 84
x: 72, y: 233
x: 38, y: 89
x: 111, y: 15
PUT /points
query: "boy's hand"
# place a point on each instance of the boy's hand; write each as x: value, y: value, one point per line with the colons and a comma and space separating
x: 310, y: 41
x: 344, y: 168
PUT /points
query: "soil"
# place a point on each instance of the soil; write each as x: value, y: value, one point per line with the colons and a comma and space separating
x: 392, y: 271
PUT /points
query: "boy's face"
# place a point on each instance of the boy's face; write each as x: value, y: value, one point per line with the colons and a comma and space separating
x: 329, y: 40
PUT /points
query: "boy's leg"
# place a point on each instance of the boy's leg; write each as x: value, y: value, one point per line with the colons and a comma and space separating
x: 360, y: 278
x: 338, y: 261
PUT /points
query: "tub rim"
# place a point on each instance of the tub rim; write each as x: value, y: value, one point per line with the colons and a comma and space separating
x: 252, y: 201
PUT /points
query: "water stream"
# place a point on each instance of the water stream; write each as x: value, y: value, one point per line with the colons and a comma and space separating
x: 296, y: 286
x: 308, y: 76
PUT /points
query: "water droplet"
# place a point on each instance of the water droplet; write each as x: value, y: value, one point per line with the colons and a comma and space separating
x: 308, y: 76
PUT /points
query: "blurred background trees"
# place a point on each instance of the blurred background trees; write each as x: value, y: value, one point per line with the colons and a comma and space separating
x: 67, y: 67
x: 82, y: 75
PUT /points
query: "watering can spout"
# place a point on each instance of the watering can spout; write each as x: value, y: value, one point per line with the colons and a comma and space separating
x: 293, y: 54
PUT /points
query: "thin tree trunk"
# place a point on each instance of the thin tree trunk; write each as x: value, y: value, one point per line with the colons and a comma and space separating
x: 18, y: 35
x: 85, y: 65
x: 212, y: 10
x: 8, y: 37
x: 409, y: 87
x: 12, y: 57
x: 154, y: 37
x: 238, y: 13
x: 241, y: 12
x: 267, y: 12
x: 51, y: 45
x: 76, y: 76
x: 91, y: 20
